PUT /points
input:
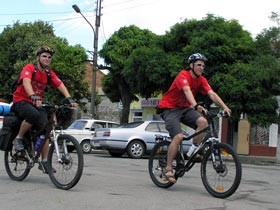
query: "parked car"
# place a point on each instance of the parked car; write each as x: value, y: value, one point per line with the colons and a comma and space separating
x: 84, y: 129
x: 136, y: 138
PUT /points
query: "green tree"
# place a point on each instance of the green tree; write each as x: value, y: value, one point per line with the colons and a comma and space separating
x: 268, y: 41
x: 252, y: 89
x: 18, y: 45
x: 245, y: 78
x: 147, y: 69
x: 115, y: 52
x: 235, y: 69
x: 223, y: 42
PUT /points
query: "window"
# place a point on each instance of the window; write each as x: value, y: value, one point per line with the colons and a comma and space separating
x: 132, y: 125
x: 162, y: 127
x: 152, y: 127
x: 113, y: 125
x: 79, y: 125
x: 97, y: 125
x: 137, y: 116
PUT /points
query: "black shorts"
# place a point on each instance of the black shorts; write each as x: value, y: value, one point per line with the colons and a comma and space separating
x: 174, y: 117
x: 34, y: 115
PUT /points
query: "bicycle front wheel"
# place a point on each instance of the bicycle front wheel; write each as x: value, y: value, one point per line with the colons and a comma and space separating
x: 221, y: 171
x: 157, y: 162
x: 67, y: 169
x: 17, y: 166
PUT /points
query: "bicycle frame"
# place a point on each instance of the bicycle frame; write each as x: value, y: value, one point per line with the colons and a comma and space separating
x: 209, y: 139
x: 220, y: 167
x: 52, y: 134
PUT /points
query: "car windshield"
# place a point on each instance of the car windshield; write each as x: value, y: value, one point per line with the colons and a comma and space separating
x: 132, y: 125
x: 79, y: 125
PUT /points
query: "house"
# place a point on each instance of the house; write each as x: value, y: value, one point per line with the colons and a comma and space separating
x: 106, y: 110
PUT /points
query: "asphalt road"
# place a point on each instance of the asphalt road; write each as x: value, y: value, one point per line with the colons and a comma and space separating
x: 124, y: 184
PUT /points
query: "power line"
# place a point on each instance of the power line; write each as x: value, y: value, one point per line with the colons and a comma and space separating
x: 36, y: 13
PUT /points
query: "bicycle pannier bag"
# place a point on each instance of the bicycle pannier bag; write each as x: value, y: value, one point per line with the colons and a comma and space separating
x: 11, y: 121
x: 11, y: 124
x: 6, y: 139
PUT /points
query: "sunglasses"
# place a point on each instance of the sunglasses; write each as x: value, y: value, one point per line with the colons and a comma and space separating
x: 45, y: 56
x: 200, y: 65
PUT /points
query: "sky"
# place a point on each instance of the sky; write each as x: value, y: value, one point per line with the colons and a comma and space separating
x: 156, y: 15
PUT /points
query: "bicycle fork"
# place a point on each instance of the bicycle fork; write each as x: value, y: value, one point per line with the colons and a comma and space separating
x: 64, y: 146
x: 218, y: 165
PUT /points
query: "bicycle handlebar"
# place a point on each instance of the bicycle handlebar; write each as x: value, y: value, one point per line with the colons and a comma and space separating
x: 50, y: 105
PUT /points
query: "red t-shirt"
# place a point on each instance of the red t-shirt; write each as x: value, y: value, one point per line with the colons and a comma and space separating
x: 175, y: 96
x: 39, y: 83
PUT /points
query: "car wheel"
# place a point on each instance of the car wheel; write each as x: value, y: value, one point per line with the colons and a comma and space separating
x: 86, y: 146
x: 136, y: 149
x: 114, y: 153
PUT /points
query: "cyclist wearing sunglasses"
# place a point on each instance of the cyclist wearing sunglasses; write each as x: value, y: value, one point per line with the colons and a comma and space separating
x: 178, y: 105
x: 27, y: 98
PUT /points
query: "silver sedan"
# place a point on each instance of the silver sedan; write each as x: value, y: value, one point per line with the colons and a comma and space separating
x: 136, y: 138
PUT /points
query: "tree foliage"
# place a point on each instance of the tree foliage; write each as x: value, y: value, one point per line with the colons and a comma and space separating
x: 243, y: 71
x: 18, y: 45
x: 115, y: 52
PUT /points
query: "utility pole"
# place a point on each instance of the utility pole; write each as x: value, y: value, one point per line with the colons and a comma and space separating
x: 95, y: 51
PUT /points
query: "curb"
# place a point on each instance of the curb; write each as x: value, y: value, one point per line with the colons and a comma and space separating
x: 258, y: 160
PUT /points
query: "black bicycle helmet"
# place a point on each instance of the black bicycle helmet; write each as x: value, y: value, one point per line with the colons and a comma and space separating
x: 196, y: 56
x: 44, y: 49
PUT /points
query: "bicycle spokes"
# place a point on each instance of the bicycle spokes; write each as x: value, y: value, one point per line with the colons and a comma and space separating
x: 221, y: 171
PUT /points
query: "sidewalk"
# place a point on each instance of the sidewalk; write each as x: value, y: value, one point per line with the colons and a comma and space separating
x: 258, y: 160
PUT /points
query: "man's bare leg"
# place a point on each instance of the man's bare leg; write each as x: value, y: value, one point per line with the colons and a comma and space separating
x: 24, y: 127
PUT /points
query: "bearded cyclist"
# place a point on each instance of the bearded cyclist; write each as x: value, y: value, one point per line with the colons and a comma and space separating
x: 178, y: 105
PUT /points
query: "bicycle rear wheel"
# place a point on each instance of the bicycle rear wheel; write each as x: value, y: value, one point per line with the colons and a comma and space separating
x: 222, y: 176
x: 68, y: 170
x: 157, y: 162
x: 17, y: 166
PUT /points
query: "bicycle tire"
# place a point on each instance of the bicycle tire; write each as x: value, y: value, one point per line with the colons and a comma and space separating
x: 68, y: 171
x: 157, y: 161
x: 223, y: 181
x: 16, y: 167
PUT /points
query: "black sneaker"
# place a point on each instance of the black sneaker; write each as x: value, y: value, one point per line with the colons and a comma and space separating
x: 43, y: 166
x: 18, y: 144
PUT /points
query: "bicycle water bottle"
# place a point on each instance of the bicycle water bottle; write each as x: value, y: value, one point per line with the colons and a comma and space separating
x: 38, y: 142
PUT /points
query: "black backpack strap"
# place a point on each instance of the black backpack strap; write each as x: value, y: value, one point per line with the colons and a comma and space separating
x: 48, y: 72
x: 49, y: 76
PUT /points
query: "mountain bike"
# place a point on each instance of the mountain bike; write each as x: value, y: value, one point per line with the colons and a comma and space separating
x: 66, y: 163
x: 220, y: 168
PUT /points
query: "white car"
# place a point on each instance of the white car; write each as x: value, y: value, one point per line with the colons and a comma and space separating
x: 84, y: 129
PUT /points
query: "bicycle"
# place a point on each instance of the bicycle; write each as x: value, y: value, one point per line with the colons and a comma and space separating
x: 220, y: 169
x: 67, y: 166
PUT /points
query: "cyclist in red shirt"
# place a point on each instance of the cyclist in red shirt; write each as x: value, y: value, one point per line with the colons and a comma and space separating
x: 178, y: 105
x: 27, y: 98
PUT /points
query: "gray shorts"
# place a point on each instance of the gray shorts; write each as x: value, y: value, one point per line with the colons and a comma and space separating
x: 174, y: 117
